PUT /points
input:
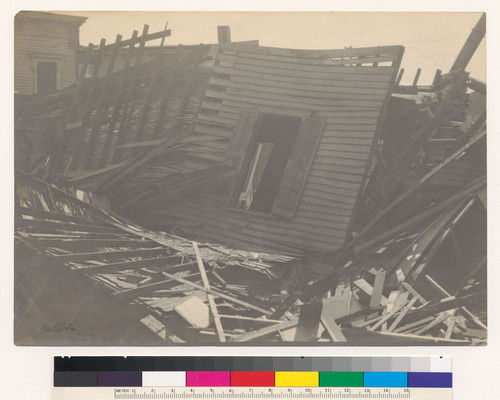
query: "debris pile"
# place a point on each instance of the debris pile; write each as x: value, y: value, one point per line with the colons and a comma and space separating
x: 203, y: 293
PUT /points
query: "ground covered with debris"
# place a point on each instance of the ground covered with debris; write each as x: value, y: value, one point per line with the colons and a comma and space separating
x: 202, y: 293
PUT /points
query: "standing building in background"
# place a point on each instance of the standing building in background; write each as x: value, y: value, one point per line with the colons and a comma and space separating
x: 45, y: 50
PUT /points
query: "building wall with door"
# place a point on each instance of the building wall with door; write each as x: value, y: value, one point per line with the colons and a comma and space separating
x: 45, y: 51
x: 338, y: 100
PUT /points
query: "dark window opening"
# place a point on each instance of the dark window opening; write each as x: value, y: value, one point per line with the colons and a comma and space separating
x: 268, y: 153
x: 46, y: 77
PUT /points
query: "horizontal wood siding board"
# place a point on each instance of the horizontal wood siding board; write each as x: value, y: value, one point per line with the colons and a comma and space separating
x: 204, y: 155
x: 347, y: 140
x: 324, y: 200
x: 341, y: 100
x: 335, y: 81
x: 343, y: 194
x: 329, y: 171
x: 338, y: 75
x: 285, y: 102
x: 272, y: 107
x: 264, y: 240
x: 318, y: 192
x: 338, y: 53
x: 253, y: 226
x: 203, y: 208
x: 292, y: 101
x: 315, y: 60
x: 202, y: 137
x: 352, y: 113
x: 319, y: 208
x: 334, y: 133
x: 214, y: 145
x: 342, y: 154
x: 331, y: 181
x: 344, y: 165
x: 328, y: 88
x: 312, y: 218
x: 355, y: 148
x: 340, y: 177
x: 288, y: 65
x: 215, y: 119
x: 211, y: 130
x: 304, y: 91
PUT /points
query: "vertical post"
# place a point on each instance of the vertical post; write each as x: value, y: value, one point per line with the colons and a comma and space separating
x: 417, y: 76
x: 223, y: 34
x: 437, y: 77
x: 400, y: 76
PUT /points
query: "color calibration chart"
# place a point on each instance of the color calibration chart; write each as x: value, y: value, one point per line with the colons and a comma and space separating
x: 109, y: 378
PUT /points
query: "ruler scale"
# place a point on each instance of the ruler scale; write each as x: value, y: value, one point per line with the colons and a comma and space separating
x: 190, y: 378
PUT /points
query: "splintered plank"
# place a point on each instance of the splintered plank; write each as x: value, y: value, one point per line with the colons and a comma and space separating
x: 309, y: 320
x: 156, y: 326
x: 110, y: 255
x: 475, y: 319
x: 194, y: 311
x: 440, y: 318
x: 268, y: 330
x: 79, y: 244
x: 418, y: 338
x: 413, y: 325
x: 46, y: 215
x: 368, y: 289
x: 378, y: 287
x: 210, y: 297
x: 402, y: 314
x: 163, y: 262
x: 171, y: 277
x: 398, y: 304
x: 31, y: 225
x: 414, y: 293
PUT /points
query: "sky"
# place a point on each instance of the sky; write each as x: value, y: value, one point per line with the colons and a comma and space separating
x: 432, y: 40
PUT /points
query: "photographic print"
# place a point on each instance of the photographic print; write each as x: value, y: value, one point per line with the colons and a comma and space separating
x: 250, y: 178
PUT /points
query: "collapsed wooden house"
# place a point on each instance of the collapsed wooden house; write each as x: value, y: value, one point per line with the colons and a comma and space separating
x: 318, y: 155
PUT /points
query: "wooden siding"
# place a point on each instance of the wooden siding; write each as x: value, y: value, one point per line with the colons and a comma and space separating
x: 346, y: 89
x: 44, y: 40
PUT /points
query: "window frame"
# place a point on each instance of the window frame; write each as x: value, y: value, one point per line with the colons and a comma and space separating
x: 247, y: 160
x: 47, y: 59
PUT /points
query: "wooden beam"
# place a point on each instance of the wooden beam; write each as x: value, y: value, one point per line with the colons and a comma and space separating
x: 120, y: 94
x: 403, y: 196
x: 476, y: 320
x: 398, y: 304
x: 402, y: 314
x: 417, y: 76
x: 470, y: 45
x: 474, y: 187
x: 210, y: 297
x: 145, y: 37
x: 134, y: 291
x: 246, y: 337
x: 110, y: 255
x: 137, y: 264
x: 32, y: 225
x: 378, y: 287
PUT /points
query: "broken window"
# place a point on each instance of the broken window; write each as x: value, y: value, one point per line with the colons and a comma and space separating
x: 273, y: 154
x: 269, y: 153
x: 46, y: 76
